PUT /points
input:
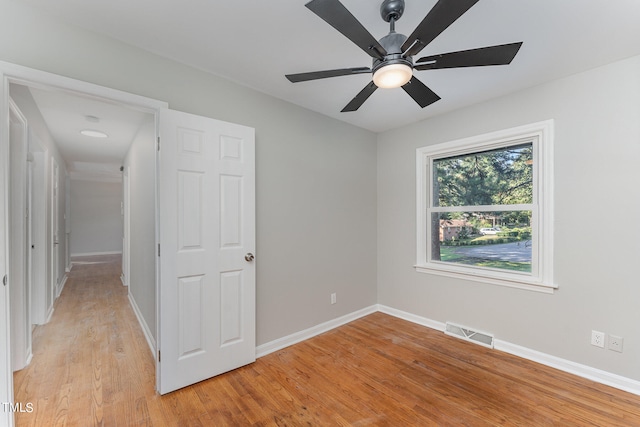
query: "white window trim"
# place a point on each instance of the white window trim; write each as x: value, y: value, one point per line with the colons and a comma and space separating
x: 541, y: 133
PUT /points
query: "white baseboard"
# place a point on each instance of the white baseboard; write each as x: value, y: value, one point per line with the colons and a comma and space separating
x: 143, y: 324
x: 60, y: 287
x: 584, y: 371
x: 49, y: 315
x: 280, y: 343
x: 439, y: 326
x: 96, y: 253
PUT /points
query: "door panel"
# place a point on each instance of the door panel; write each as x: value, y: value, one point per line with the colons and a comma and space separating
x: 231, y: 307
x: 231, y: 211
x: 191, y: 294
x: 190, y: 207
x: 207, y: 225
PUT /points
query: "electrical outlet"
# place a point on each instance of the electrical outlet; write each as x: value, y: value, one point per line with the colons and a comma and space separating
x: 597, y: 339
x: 615, y: 343
x: 333, y: 298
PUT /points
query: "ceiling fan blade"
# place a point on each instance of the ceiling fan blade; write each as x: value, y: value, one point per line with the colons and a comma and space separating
x: 420, y: 92
x: 491, y: 55
x: 443, y: 14
x: 336, y: 15
x: 360, y: 98
x: 315, y: 75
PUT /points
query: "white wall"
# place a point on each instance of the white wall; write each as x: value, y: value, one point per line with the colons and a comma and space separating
x: 316, y: 177
x: 95, y: 217
x: 140, y: 162
x: 597, y: 147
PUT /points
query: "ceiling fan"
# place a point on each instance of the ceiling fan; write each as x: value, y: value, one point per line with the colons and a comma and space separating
x: 393, y: 63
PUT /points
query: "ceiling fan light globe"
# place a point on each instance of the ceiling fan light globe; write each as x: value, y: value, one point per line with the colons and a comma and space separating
x: 392, y: 76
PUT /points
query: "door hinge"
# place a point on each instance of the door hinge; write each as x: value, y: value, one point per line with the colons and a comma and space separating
x: 158, y: 249
x: 159, y: 359
x: 4, y: 280
x: 158, y: 143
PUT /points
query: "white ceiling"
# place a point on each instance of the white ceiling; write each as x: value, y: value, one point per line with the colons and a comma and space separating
x: 257, y: 42
x: 65, y: 114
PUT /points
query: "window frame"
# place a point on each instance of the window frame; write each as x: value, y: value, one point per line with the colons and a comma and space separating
x: 541, y: 134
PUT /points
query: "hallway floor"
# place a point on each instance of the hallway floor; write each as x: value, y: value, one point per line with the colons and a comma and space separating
x: 91, y: 363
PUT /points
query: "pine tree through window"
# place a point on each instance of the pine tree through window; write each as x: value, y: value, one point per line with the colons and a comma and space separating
x: 484, y: 207
x: 489, y: 193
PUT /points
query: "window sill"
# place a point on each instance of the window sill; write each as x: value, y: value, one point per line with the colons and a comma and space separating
x: 511, y: 282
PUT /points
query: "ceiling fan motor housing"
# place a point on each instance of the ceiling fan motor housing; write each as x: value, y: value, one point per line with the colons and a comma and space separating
x: 392, y: 43
x: 391, y: 9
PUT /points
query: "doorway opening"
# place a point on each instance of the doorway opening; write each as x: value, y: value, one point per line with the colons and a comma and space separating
x: 74, y: 194
x: 207, y: 232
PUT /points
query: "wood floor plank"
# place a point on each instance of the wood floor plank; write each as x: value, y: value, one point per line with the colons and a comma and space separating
x: 92, y: 366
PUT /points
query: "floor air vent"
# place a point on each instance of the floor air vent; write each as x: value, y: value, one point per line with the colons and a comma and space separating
x: 467, y: 334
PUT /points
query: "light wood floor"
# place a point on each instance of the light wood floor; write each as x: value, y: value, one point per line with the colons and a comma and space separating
x: 92, y: 366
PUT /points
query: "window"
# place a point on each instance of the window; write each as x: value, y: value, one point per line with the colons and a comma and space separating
x: 497, y: 190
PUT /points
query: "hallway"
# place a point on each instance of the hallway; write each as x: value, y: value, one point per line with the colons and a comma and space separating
x: 91, y: 361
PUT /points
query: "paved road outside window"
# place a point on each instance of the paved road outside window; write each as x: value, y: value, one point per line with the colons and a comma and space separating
x: 514, y: 252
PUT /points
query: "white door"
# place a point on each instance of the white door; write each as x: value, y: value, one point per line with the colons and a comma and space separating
x: 126, y: 216
x: 40, y: 308
x: 20, y: 327
x: 29, y: 242
x: 55, y: 229
x: 206, y: 190
x: 6, y: 371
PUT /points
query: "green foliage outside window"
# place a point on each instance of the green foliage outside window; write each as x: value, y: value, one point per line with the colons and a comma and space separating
x: 496, y: 178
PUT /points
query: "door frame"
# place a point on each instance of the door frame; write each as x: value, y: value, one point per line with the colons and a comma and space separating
x: 12, y: 73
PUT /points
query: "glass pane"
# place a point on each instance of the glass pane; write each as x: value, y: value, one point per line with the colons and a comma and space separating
x: 497, y: 177
x: 499, y: 240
